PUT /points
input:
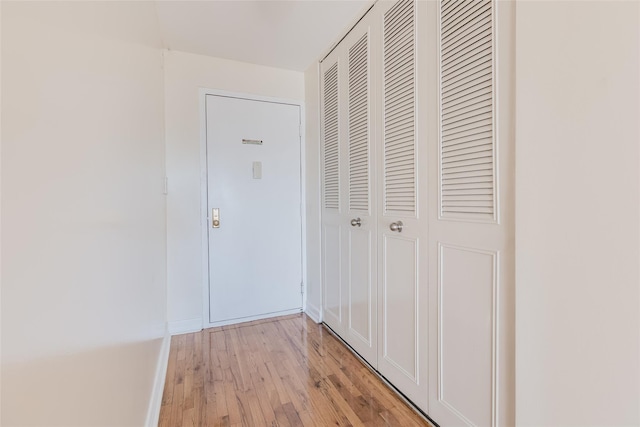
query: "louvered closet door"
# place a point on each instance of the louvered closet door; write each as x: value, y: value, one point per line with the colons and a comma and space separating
x: 471, y: 216
x: 359, y: 275
x: 333, y: 192
x: 402, y: 225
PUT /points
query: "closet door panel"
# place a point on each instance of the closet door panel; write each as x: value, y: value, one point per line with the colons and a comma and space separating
x: 466, y: 328
x: 471, y: 228
x: 361, y: 292
x: 332, y: 233
x: 400, y: 311
x: 361, y: 331
x: 402, y: 227
x: 332, y: 275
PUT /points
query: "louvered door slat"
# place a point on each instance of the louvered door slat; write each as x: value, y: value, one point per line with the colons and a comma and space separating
x: 470, y: 192
x: 474, y: 38
x: 455, y: 88
x: 404, y: 162
x: 464, y: 148
x: 472, y: 77
x: 466, y: 125
x: 401, y: 159
x: 457, y: 92
x: 397, y: 33
x: 406, y: 171
x: 472, y: 58
x: 358, y: 55
x: 484, y: 200
x: 459, y: 141
x: 397, y: 135
x: 453, y: 21
x: 398, y: 149
x: 476, y: 44
x: 359, y: 149
x: 454, y: 8
x: 466, y: 105
x: 399, y: 109
x: 359, y: 125
x: 483, y: 23
x: 395, y: 17
x: 457, y: 24
x: 473, y: 116
x: 466, y: 74
x: 400, y: 39
x: 475, y: 108
x: 458, y: 159
x: 466, y: 153
x: 331, y: 130
x: 481, y: 94
x: 400, y: 78
x: 400, y: 141
x: 463, y: 177
x: 477, y: 185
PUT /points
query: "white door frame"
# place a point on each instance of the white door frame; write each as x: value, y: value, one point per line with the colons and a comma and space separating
x: 204, y: 210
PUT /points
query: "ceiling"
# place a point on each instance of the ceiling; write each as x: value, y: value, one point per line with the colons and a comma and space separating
x: 289, y: 34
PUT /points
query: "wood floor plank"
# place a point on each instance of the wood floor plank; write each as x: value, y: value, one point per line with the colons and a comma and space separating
x: 222, y: 411
x: 230, y: 386
x: 262, y: 394
x: 177, y: 408
x: 285, y: 372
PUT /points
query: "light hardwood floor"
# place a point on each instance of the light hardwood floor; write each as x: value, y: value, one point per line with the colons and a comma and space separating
x: 285, y: 371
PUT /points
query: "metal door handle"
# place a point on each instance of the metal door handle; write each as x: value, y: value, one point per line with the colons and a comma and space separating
x: 356, y: 222
x: 396, y: 226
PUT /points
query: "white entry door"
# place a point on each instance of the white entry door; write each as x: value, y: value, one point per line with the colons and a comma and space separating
x: 254, y: 209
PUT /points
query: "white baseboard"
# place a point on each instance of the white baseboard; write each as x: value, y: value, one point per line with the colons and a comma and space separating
x: 313, y: 312
x: 185, y: 326
x: 153, y: 413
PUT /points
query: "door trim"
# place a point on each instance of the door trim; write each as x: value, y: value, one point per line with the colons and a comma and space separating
x: 204, y: 223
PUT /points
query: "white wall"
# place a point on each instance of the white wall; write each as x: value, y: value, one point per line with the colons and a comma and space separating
x: 312, y: 161
x: 185, y: 74
x: 83, y: 215
x: 0, y: 210
x: 577, y: 203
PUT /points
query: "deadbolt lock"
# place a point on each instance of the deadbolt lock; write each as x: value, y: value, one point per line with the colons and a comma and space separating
x: 215, y: 218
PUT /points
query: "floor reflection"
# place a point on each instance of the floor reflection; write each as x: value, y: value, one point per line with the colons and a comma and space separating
x: 285, y: 371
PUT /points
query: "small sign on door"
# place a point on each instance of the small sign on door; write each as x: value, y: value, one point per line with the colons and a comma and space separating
x: 257, y: 170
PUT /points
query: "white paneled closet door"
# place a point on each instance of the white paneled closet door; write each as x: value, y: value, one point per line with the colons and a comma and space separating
x: 471, y: 231
x: 359, y: 274
x: 402, y: 223
x: 332, y: 228
x: 349, y: 224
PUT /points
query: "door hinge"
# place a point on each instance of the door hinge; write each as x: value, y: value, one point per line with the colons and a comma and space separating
x: 302, y: 288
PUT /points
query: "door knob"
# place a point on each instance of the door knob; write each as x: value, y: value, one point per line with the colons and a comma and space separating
x: 356, y: 222
x: 396, y: 226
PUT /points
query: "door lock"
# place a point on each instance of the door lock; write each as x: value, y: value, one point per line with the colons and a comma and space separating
x: 215, y: 215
